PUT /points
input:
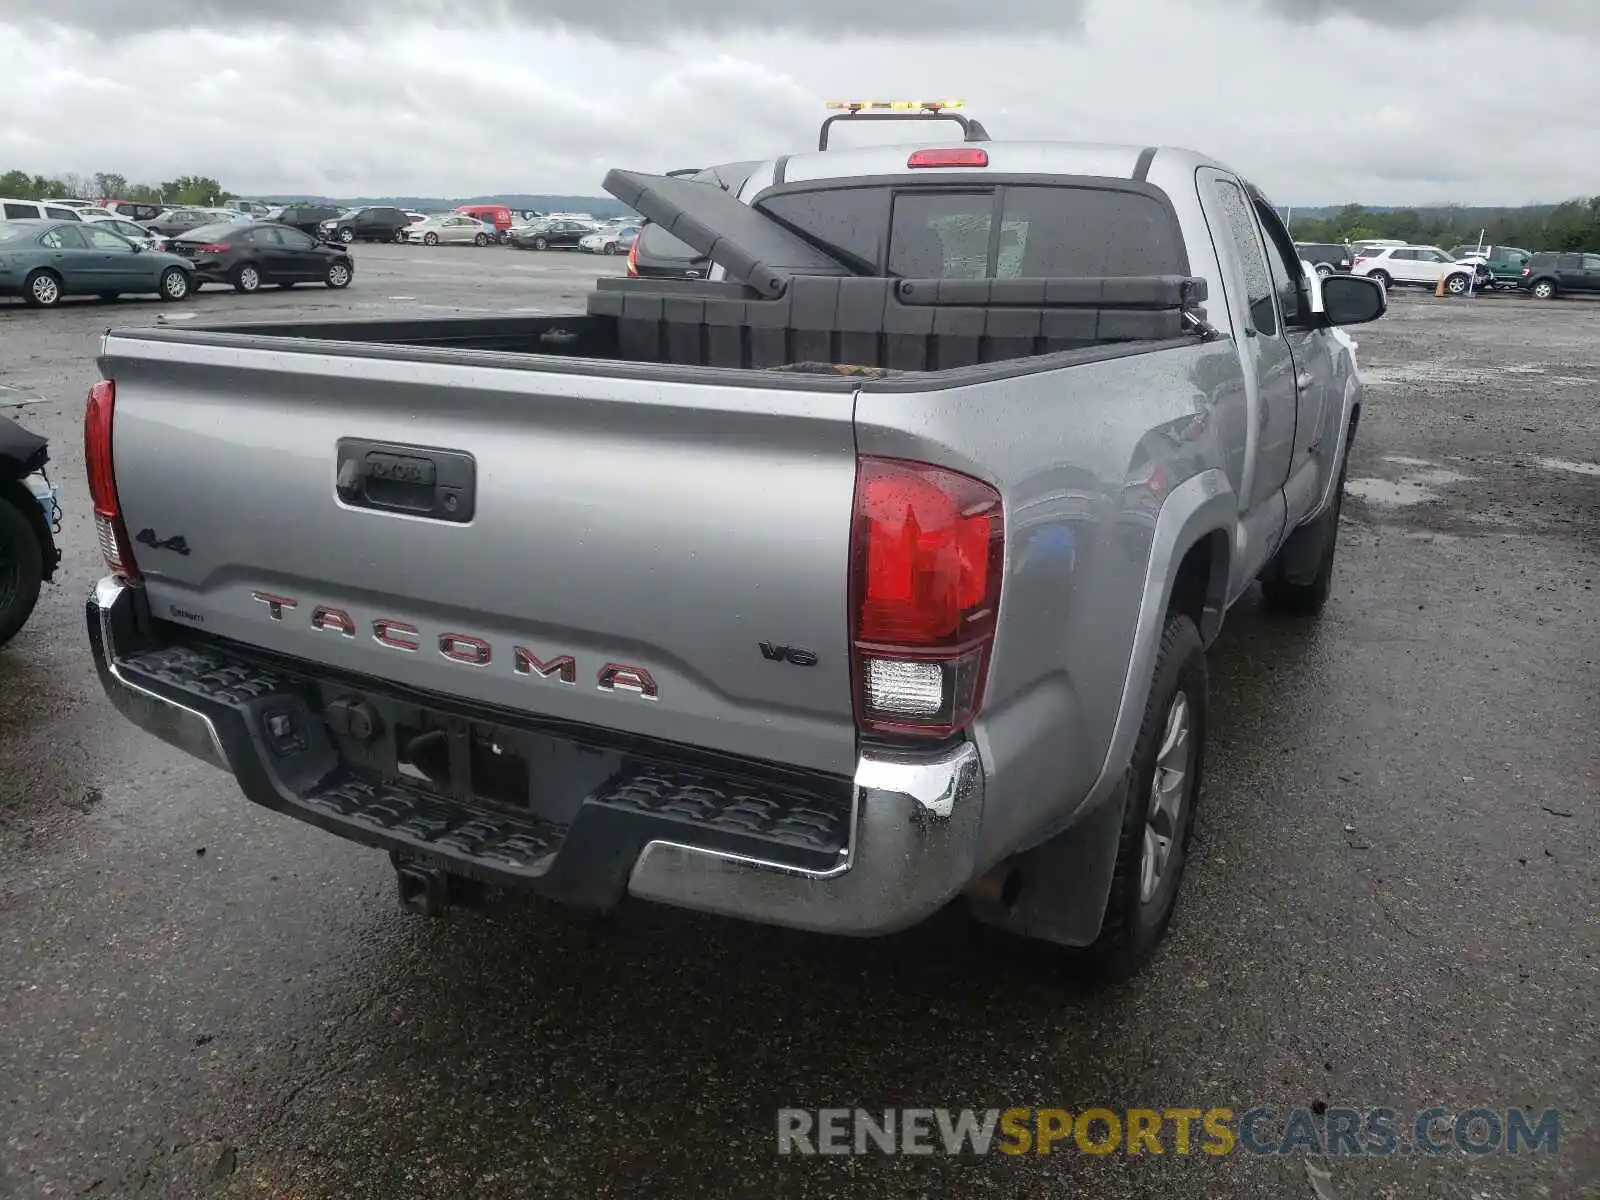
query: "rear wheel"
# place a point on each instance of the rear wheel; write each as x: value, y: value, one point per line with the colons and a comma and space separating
x: 347, y: 235
x: 430, y: 239
x: 339, y: 275
x: 174, y: 284
x: 1545, y: 289
x: 42, y: 289
x: 21, y: 569
x: 540, y: 243
x: 481, y: 240
x: 1324, y: 270
x: 609, y: 248
x: 246, y: 278
x: 1161, y: 786
x: 1383, y: 279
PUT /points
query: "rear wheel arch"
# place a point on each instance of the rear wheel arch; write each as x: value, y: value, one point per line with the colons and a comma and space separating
x: 1200, y: 584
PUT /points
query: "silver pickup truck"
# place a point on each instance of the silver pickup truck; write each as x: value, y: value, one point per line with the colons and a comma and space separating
x: 873, y: 573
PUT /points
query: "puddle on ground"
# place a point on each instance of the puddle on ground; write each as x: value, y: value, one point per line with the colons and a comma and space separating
x: 1561, y: 464
x: 1400, y: 374
x: 1419, y: 487
x: 1402, y: 460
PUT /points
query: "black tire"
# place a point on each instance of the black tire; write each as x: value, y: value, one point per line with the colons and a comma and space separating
x: 1309, y: 599
x: 1135, y: 925
x: 609, y: 248
x: 174, y: 285
x: 481, y: 240
x: 247, y: 278
x: 430, y: 239
x: 399, y: 235
x: 1545, y: 289
x: 540, y: 243
x: 1457, y: 284
x: 1383, y: 278
x: 1324, y: 270
x: 21, y: 569
x: 42, y: 289
x: 347, y: 235
x: 340, y: 273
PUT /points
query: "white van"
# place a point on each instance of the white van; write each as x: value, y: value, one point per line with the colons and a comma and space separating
x: 28, y: 210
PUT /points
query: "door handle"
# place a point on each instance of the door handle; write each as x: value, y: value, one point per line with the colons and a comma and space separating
x: 416, y: 480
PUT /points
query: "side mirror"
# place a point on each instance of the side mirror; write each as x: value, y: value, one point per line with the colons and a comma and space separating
x: 1353, y: 300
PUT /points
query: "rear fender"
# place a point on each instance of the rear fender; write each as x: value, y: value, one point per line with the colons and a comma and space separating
x: 1069, y: 873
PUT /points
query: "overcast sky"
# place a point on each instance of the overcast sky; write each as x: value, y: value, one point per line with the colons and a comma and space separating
x: 1318, y: 101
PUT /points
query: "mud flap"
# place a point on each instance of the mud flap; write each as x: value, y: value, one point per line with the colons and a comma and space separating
x: 1064, y: 883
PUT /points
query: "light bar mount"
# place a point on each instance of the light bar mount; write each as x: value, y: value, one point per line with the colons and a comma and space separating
x: 902, y: 110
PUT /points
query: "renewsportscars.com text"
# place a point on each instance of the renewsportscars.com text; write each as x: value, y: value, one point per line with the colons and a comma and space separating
x: 1375, y: 1132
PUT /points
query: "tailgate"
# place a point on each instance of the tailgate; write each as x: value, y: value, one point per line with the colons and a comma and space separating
x: 620, y: 552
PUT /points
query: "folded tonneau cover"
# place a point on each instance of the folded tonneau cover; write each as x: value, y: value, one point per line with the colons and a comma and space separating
x: 750, y: 246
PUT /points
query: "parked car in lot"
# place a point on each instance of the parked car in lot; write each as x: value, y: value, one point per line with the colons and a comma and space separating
x: 1421, y: 266
x: 175, y: 221
x: 134, y: 211
x: 1325, y: 258
x: 248, y: 256
x: 929, y: 629
x: 307, y: 218
x: 373, y: 223
x: 552, y: 233
x: 45, y: 261
x: 609, y: 241
x: 36, y: 210
x: 1549, y: 274
x: 497, y: 216
x: 448, y: 229
x: 125, y: 228
x: 1505, y: 263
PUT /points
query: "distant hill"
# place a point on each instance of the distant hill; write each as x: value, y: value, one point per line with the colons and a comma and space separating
x: 599, y: 206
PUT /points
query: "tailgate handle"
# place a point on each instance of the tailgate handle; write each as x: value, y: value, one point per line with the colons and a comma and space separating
x: 419, y: 481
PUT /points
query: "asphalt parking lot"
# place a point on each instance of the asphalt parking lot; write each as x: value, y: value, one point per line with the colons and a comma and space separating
x: 1391, y: 901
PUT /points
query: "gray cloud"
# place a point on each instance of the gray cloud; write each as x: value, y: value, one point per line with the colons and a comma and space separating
x: 613, y: 20
x: 1571, y: 16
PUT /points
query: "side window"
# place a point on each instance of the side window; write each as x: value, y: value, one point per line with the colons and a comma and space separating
x: 296, y: 240
x: 1591, y: 262
x: 64, y: 238
x: 20, y: 212
x: 62, y: 214
x: 1247, y: 243
x: 1570, y: 262
x: 104, y: 239
x: 1288, y: 276
x: 845, y: 222
x: 265, y: 235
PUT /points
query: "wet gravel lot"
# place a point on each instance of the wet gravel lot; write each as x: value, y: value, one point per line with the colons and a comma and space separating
x: 1391, y: 901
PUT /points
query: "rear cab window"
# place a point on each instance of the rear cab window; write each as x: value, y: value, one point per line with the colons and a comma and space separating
x: 1002, y: 231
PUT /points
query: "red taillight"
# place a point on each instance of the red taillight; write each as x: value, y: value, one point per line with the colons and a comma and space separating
x: 113, y: 532
x: 927, y: 550
x: 633, y: 257
x: 213, y: 248
x: 949, y: 158
x: 1527, y: 270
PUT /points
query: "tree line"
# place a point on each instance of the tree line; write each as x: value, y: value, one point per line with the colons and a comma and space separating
x: 186, y: 189
x: 1574, y: 225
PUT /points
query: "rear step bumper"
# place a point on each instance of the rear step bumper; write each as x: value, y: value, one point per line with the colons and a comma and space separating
x: 870, y: 858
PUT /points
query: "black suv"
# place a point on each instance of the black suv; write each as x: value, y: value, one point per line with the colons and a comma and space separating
x: 378, y: 223
x: 657, y: 254
x: 1325, y: 257
x: 307, y: 217
x: 1549, y: 274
